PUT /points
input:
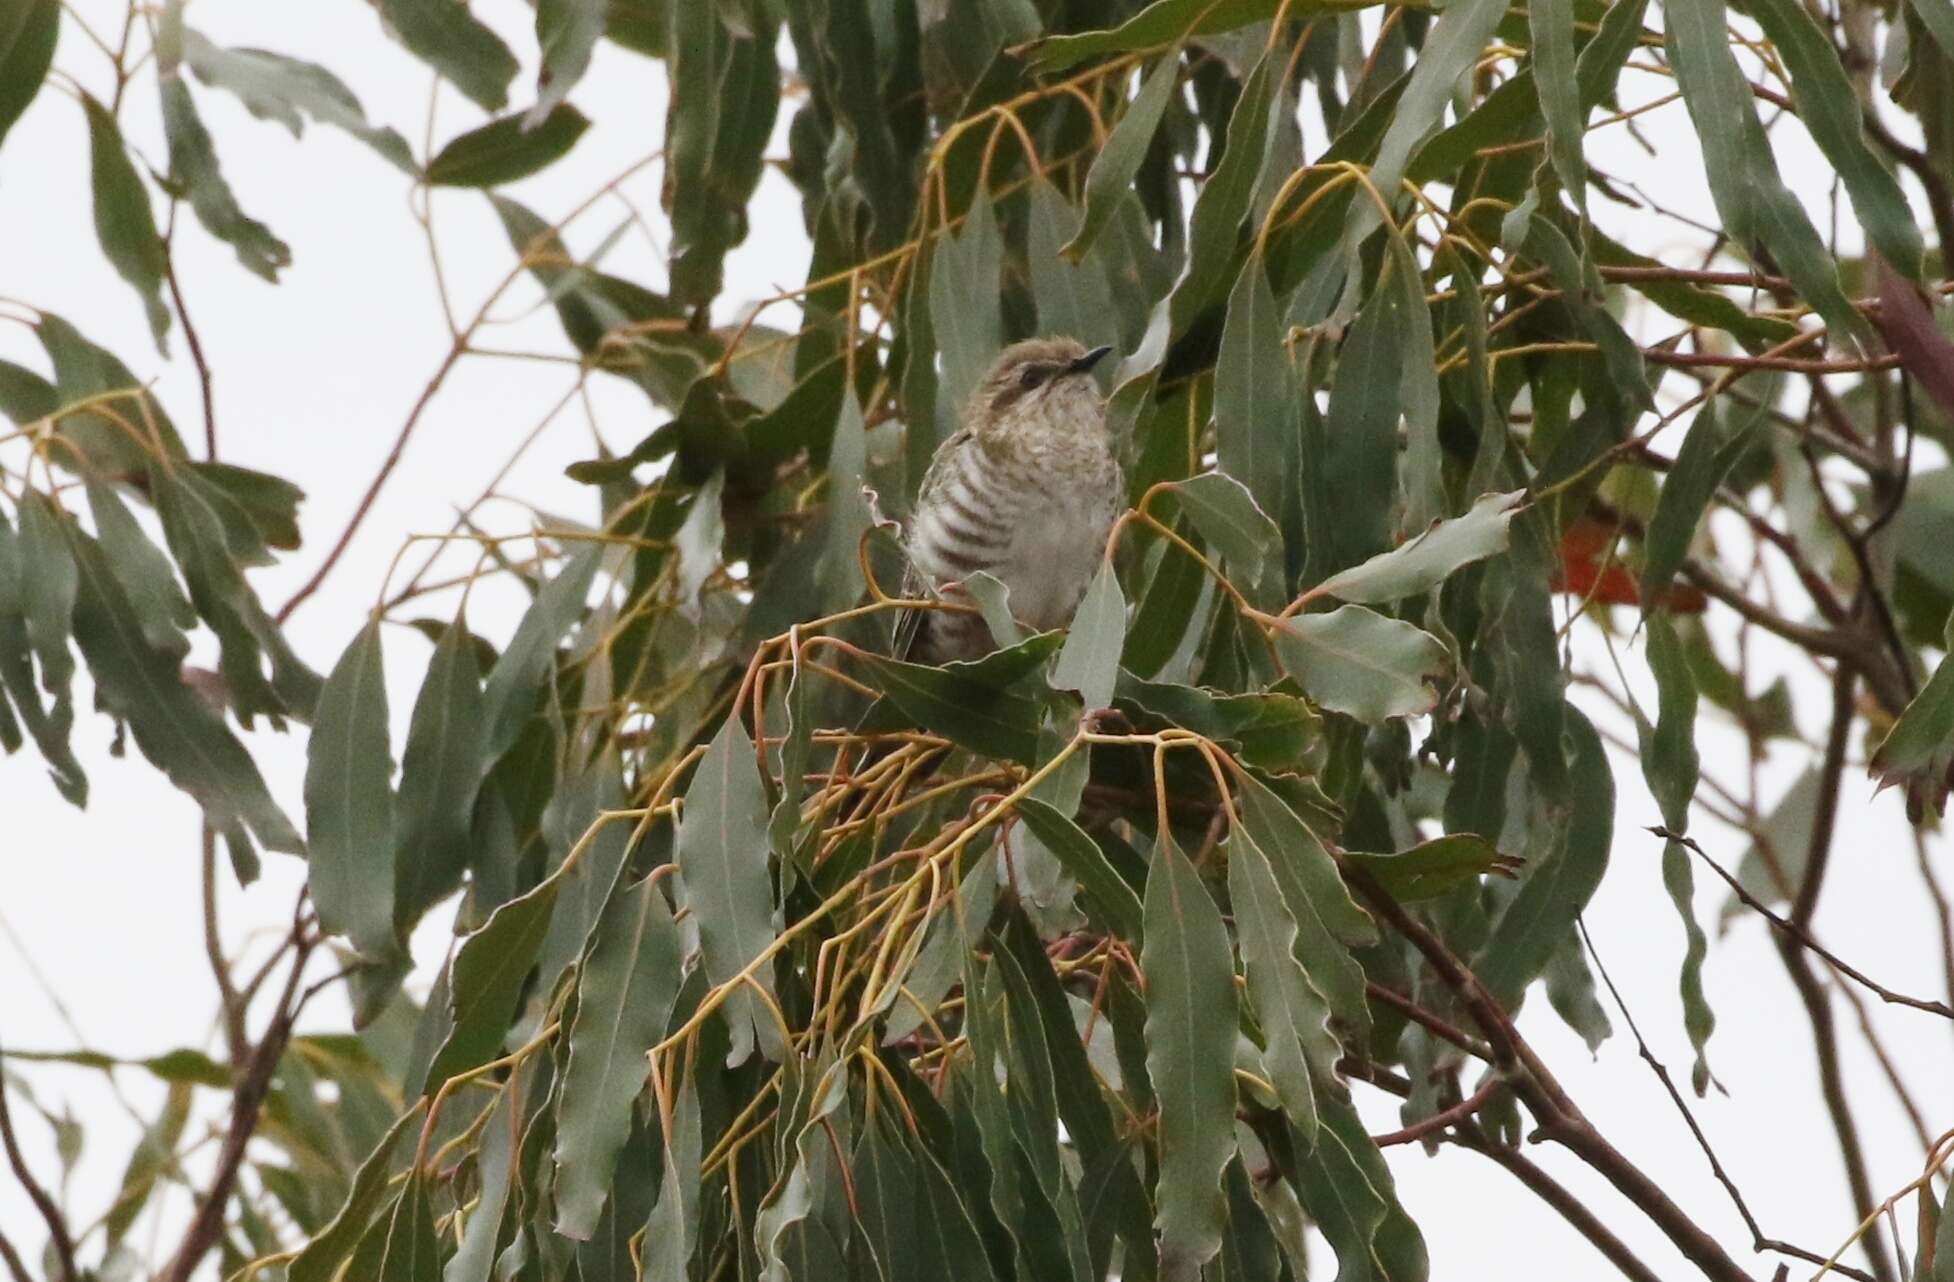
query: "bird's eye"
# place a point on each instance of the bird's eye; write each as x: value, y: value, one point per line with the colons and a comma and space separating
x: 1033, y: 375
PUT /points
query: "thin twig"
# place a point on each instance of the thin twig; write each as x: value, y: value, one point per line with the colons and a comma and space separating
x: 1571, y: 1208
x: 57, y: 1226
x: 1459, y: 1112
x: 1803, y: 936
x: 190, y: 336
x: 1758, y: 1241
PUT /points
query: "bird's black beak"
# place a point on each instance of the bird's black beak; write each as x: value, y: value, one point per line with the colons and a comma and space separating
x: 1086, y: 362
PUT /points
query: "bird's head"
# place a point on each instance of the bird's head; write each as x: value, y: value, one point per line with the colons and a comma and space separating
x: 1042, y: 386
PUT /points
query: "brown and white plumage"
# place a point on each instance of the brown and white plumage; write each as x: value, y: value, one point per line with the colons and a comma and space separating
x: 1026, y: 492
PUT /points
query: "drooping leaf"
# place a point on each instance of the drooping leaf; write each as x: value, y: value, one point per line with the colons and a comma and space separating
x: 1083, y: 858
x: 1191, y: 1016
x: 567, y: 31
x: 1167, y: 22
x: 725, y: 94
x: 49, y: 726
x: 124, y: 223
x: 625, y: 994
x: 960, y: 705
x: 1430, y: 868
x: 1751, y: 199
x: 28, y: 32
x: 1255, y: 437
x: 965, y: 314
x: 673, y: 1227
x: 288, y: 90
x: 146, y: 573
x: 321, y: 1258
x: 1363, y: 664
x: 1298, y: 1049
x: 407, y: 1249
x: 173, y: 726
x: 485, y: 979
x: 444, y: 35
x: 1428, y: 560
x: 1111, y: 176
x: 953, y: 933
x: 507, y: 149
x: 349, y: 800
x: 440, y: 771
x: 1707, y: 453
x: 722, y: 859
x: 510, y: 690
x: 1829, y: 107
x: 1235, y: 525
x: 1089, y: 661
x: 193, y: 162
x: 1918, y: 751
x: 1552, y: 26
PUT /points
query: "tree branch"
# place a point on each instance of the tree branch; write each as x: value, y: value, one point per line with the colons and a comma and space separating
x: 57, y: 1226
x: 246, y: 1100
x: 1459, y: 1112
x: 1560, y: 1119
x: 1571, y: 1208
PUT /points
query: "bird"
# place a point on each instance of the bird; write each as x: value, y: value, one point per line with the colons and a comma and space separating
x: 1026, y: 491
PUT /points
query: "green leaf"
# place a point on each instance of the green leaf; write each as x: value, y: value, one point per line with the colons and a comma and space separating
x: 1269, y: 728
x: 1347, y: 1189
x: 510, y: 691
x: 1119, y: 907
x: 567, y: 32
x: 288, y: 90
x: 625, y: 994
x: 953, y: 932
x: 28, y: 32
x: 1235, y: 525
x: 965, y: 310
x: 1073, y: 298
x: 672, y: 1229
x: 1918, y: 751
x: 722, y: 860
x: 725, y: 92
x: 410, y: 1252
x: 155, y: 1154
x: 1751, y: 199
x: 1298, y: 1048
x: 474, y: 1255
x: 83, y: 370
x: 1943, y: 1261
x: 124, y: 223
x: 1254, y: 406
x: 349, y: 800
x: 1089, y: 662
x: 444, y: 35
x: 1111, y: 177
x: 1227, y: 198
x: 173, y: 726
x: 440, y: 772
x: 1454, y: 43
x: 1828, y: 106
x: 1561, y: 878
x: 1360, y: 464
x: 1166, y: 22
x: 486, y: 978
x: 193, y: 166
x: 957, y: 702
x: 1191, y: 1023
x: 848, y: 517
x: 50, y: 727
x: 1431, y: 868
x: 1552, y: 26
x: 1706, y: 456
x: 268, y: 504
x: 321, y: 1258
x: 145, y: 573
x: 1428, y: 560
x: 506, y: 149
x: 49, y: 585
x: 1363, y: 664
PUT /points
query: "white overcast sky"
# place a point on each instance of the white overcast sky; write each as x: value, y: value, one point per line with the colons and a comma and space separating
x: 315, y: 376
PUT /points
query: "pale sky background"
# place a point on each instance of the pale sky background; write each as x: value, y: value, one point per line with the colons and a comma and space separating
x: 315, y: 376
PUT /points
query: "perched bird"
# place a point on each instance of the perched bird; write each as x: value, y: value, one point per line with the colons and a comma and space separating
x: 1027, y: 491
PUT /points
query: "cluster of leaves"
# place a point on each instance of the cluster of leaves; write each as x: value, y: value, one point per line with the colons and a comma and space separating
x: 781, y: 957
